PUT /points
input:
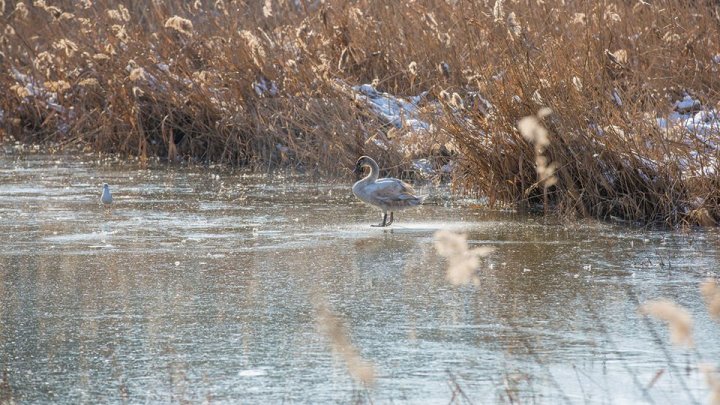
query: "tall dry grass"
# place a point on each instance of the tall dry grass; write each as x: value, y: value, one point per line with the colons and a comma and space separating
x: 607, y: 70
x: 267, y: 84
x: 213, y: 81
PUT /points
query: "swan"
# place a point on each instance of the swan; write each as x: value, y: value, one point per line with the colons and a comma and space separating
x: 388, y: 194
x: 106, y: 197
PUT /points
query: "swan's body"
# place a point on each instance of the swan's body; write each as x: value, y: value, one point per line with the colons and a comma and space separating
x: 388, y: 194
x: 106, y: 197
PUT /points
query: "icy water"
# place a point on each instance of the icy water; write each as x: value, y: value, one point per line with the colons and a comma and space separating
x: 204, y: 286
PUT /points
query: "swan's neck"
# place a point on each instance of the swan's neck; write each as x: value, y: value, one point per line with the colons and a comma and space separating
x: 374, y: 172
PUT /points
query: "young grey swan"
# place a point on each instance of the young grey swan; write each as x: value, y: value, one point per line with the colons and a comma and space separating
x: 388, y: 194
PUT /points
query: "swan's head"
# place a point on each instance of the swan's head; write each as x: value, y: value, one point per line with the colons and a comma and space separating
x: 363, y: 161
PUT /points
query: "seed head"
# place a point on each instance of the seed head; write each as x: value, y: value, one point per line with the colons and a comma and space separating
x: 679, y: 320
x: 179, y: 24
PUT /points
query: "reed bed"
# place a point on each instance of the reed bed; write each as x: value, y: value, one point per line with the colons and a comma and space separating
x: 269, y: 84
x: 607, y: 71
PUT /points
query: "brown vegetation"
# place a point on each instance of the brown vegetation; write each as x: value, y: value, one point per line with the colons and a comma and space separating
x: 268, y: 84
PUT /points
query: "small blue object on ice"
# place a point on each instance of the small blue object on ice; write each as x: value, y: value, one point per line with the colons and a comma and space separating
x: 106, y: 197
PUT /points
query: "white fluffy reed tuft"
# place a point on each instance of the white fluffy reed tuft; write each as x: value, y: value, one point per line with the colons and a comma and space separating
x: 534, y: 132
x: 462, y: 261
x: 179, y: 24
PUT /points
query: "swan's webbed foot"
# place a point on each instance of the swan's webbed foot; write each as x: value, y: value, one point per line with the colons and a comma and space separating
x: 383, y: 223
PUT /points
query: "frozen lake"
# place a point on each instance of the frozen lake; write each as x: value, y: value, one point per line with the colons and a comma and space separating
x: 203, y: 285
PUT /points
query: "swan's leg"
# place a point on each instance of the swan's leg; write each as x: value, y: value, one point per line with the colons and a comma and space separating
x: 383, y: 223
x: 391, y: 219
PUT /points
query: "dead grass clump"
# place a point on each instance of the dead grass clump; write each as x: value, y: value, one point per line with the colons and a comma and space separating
x: 209, y: 87
x: 678, y: 319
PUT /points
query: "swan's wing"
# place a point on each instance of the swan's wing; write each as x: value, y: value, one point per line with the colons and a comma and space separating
x: 393, y: 191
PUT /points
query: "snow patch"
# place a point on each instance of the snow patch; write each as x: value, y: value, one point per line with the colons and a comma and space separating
x: 423, y: 166
x: 701, y: 127
x: 687, y: 105
x: 448, y: 168
x: 380, y: 144
x: 690, y: 116
x: 395, y: 110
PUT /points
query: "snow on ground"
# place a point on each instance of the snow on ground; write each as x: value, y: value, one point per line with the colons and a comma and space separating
x: 401, y: 113
x: 690, y: 116
x: 395, y: 110
x: 687, y: 105
x: 702, y: 124
x: 35, y: 89
x: 423, y: 166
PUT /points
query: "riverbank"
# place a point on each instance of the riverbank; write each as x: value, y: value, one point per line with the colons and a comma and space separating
x: 624, y: 95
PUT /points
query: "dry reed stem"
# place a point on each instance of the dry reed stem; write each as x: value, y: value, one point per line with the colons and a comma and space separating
x: 712, y: 377
x: 679, y: 320
x: 334, y: 329
x: 711, y: 293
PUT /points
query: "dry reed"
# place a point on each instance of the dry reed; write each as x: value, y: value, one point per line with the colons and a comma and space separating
x: 678, y: 319
x: 264, y: 84
x: 333, y: 328
x: 713, y: 381
x: 711, y: 293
